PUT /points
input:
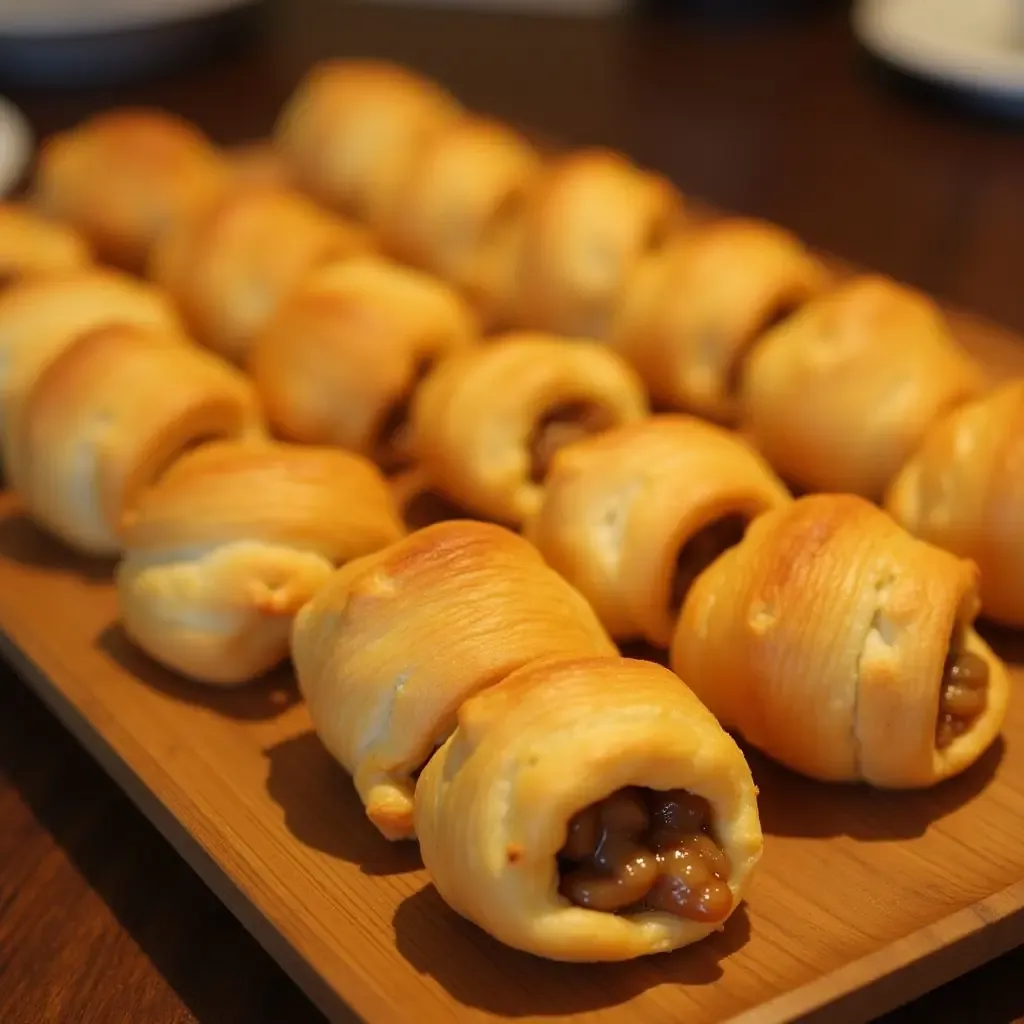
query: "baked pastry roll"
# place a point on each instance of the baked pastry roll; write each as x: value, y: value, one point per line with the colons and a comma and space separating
x: 123, y: 177
x: 396, y: 641
x: 106, y: 417
x: 232, y: 540
x: 587, y: 226
x: 32, y: 246
x: 631, y: 517
x: 694, y: 310
x: 352, y: 129
x: 459, y: 210
x: 40, y: 318
x: 339, y: 362
x: 486, y: 423
x: 589, y: 809
x: 230, y: 266
x: 838, y: 644
x: 839, y: 395
x: 963, y: 490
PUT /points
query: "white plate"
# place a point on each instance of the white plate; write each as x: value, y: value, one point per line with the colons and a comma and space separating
x: 38, y: 18
x: 972, y: 45
x: 15, y: 145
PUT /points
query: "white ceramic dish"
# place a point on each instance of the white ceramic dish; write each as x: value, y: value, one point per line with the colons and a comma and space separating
x: 15, y: 145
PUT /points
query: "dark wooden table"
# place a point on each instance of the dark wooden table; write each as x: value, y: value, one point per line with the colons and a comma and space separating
x: 99, y: 919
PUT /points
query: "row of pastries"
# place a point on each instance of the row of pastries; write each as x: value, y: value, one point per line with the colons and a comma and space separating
x: 247, y: 431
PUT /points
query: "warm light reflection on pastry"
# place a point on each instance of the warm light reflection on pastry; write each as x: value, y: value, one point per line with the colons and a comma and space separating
x: 352, y: 129
x: 108, y: 415
x: 231, y: 265
x: 631, y: 517
x: 593, y: 217
x: 843, y: 647
x: 839, y: 395
x: 694, y: 310
x: 124, y: 177
x: 487, y: 422
x: 40, y: 318
x: 589, y: 809
x: 33, y: 246
x: 395, y: 642
x: 232, y: 540
x: 339, y: 362
x: 963, y: 489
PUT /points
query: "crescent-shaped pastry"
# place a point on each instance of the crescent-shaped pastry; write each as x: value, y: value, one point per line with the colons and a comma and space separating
x: 459, y: 210
x: 232, y: 541
x: 839, y: 395
x: 39, y: 318
x: 632, y: 517
x: 108, y: 415
x: 589, y: 809
x: 486, y: 422
x: 695, y: 309
x: 395, y: 642
x: 843, y: 647
x: 339, y: 362
x: 32, y: 246
x: 352, y: 129
x: 963, y: 490
x: 587, y: 226
x: 230, y: 266
x: 123, y: 177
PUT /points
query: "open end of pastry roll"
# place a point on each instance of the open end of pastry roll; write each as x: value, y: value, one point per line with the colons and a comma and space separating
x: 701, y: 549
x: 392, y: 449
x: 589, y: 809
x: 419, y: 503
x: 561, y: 425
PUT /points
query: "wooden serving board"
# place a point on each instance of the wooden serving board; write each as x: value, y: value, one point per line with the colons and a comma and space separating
x: 863, y: 900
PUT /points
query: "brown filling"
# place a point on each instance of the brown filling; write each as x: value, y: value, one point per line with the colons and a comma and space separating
x: 561, y: 426
x: 734, y: 372
x: 701, y: 550
x: 963, y: 696
x: 643, y: 849
x: 391, y: 451
x: 428, y: 507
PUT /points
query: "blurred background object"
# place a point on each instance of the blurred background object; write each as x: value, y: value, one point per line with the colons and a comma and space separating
x: 15, y: 146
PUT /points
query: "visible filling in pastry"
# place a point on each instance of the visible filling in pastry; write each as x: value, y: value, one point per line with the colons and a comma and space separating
x: 734, y: 372
x: 391, y: 451
x: 701, y: 550
x: 427, y: 507
x: 646, y: 850
x: 963, y: 696
x: 561, y: 426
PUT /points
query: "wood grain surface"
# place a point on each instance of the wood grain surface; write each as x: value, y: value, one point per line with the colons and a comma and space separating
x: 100, y: 920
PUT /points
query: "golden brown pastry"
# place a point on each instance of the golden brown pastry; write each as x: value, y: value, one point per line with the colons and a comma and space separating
x: 107, y: 416
x: 339, y: 361
x: 352, y: 129
x: 631, y: 517
x: 232, y: 541
x: 843, y: 647
x: 696, y: 308
x: 963, y: 490
x: 487, y: 422
x: 458, y: 211
x: 396, y: 641
x: 32, y: 246
x: 258, y: 163
x: 587, y: 226
x: 839, y: 395
x: 123, y: 177
x: 40, y: 318
x: 230, y: 266
x: 589, y: 809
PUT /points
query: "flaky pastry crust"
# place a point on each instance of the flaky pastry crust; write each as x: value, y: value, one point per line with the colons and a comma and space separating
x: 822, y: 639
x: 390, y: 648
x: 123, y: 177
x: 232, y: 540
x: 618, y: 510
x: 33, y: 246
x: 694, y: 310
x: 493, y: 805
x: 963, y: 490
x: 839, y: 395
x: 352, y: 129
x: 230, y: 266
x: 473, y: 417
x: 343, y: 354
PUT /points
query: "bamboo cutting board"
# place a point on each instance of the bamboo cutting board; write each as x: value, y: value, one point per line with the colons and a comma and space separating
x: 863, y: 899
